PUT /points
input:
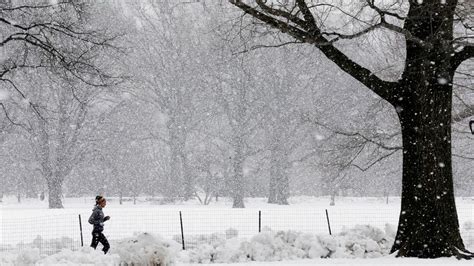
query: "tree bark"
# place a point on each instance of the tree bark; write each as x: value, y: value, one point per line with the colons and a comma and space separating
x: 238, y: 174
x: 180, y: 183
x: 281, y: 179
x: 55, y: 185
x: 272, y: 198
x: 279, y: 186
x: 428, y: 225
x: 279, y: 163
x: 283, y: 189
x: 237, y: 188
x: 174, y: 181
x: 188, y: 179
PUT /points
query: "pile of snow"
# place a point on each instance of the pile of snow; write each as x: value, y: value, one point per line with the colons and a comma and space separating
x: 359, y: 242
x: 467, y: 229
x: 64, y: 257
x: 146, y: 249
x: 142, y: 249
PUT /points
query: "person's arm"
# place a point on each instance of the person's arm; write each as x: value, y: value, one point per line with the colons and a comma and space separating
x: 95, y: 219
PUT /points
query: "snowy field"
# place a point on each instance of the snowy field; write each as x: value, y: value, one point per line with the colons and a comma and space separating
x: 298, y: 234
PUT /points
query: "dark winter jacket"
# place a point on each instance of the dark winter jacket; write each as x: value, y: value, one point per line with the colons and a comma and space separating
x: 97, y: 219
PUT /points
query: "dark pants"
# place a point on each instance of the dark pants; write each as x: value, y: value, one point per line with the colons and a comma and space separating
x: 99, y: 237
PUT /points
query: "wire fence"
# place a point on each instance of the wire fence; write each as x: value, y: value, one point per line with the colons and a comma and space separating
x: 191, y: 228
x: 49, y: 234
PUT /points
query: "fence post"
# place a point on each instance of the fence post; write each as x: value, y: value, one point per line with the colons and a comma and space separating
x: 182, y: 232
x: 329, y: 225
x: 259, y: 221
x: 80, y: 228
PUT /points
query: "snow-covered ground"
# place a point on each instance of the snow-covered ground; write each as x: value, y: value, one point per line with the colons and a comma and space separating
x: 363, y: 231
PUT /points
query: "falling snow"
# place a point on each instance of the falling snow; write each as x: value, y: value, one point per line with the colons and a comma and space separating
x: 442, y: 81
x: 190, y: 105
x: 4, y: 95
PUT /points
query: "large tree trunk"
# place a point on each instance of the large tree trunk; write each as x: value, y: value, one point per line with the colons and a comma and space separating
x: 188, y: 179
x: 272, y: 187
x: 279, y: 186
x: 237, y: 184
x: 275, y: 177
x: 174, y: 178
x: 279, y: 181
x: 428, y: 226
x: 237, y: 188
x: 283, y: 181
x: 180, y: 182
x: 283, y: 189
x: 55, y: 185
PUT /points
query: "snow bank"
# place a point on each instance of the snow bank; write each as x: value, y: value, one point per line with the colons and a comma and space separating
x: 142, y: 249
x: 64, y: 257
x: 146, y: 249
x: 361, y: 241
x: 85, y: 255
x: 467, y: 229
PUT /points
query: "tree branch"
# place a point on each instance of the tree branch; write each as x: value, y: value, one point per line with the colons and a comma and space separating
x: 381, y: 158
x: 314, y: 36
x: 278, y: 12
x: 9, y: 118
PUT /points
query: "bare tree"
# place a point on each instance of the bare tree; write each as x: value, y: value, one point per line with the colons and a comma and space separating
x: 51, y: 39
x: 422, y: 96
x: 59, y: 137
x: 286, y: 133
x: 169, y: 58
x: 51, y: 35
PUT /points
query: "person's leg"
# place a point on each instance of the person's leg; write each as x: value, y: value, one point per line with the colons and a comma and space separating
x: 95, y: 239
x: 105, y: 243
